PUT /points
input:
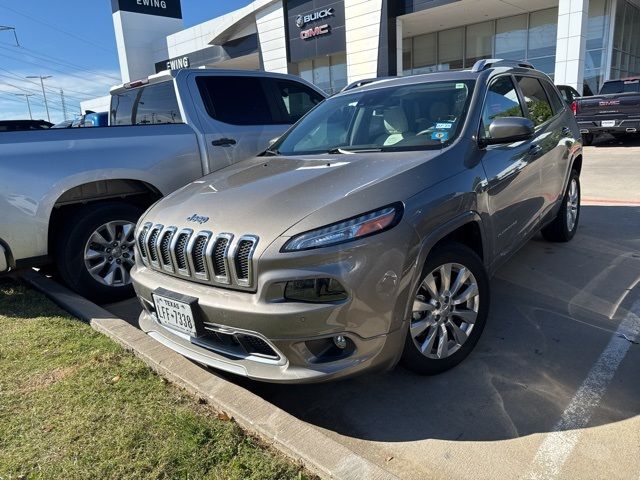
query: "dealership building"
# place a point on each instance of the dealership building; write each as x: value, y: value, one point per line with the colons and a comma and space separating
x: 333, y: 42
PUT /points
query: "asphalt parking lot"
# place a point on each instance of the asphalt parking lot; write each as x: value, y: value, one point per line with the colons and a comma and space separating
x: 552, y: 389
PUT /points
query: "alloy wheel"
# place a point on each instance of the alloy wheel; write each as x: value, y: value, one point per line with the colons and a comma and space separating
x: 573, y: 203
x: 444, y: 310
x: 108, y: 254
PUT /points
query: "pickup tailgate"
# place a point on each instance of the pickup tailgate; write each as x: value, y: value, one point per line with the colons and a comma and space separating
x: 614, y: 106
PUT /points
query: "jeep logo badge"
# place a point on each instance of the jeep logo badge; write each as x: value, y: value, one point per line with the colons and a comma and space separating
x: 198, y: 219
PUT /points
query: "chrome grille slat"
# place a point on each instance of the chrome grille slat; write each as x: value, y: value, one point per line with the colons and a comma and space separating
x: 243, y: 259
x: 151, y: 244
x: 203, y: 256
x: 142, y: 237
x: 217, y: 258
x: 179, y: 251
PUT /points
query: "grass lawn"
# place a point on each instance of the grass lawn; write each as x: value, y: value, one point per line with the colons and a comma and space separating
x: 73, y: 404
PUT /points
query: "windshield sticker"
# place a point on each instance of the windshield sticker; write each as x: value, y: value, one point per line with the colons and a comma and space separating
x: 442, y: 136
x: 443, y: 126
x: 459, y: 85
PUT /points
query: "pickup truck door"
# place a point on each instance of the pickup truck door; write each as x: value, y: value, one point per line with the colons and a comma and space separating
x: 242, y: 114
x: 512, y: 169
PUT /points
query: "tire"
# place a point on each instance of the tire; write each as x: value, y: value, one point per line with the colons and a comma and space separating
x: 426, y: 327
x: 563, y: 228
x: 104, y: 224
x: 587, y: 139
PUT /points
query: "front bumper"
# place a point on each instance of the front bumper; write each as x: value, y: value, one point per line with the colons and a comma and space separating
x: 619, y: 126
x: 296, y: 337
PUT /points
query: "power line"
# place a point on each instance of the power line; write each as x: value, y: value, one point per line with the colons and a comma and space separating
x: 58, y: 29
x: 63, y: 63
x: 86, y: 95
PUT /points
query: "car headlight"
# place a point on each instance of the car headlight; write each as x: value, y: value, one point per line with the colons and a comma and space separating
x: 347, y: 230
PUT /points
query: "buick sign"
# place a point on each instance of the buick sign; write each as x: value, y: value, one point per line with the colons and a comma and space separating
x: 302, y: 20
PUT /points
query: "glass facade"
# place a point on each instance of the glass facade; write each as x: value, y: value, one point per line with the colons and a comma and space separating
x: 625, y: 60
x: 529, y: 36
x: 597, y: 33
x: 327, y: 73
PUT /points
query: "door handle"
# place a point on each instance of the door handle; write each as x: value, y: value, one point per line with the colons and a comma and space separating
x: 535, y: 150
x: 566, y: 131
x: 223, y: 142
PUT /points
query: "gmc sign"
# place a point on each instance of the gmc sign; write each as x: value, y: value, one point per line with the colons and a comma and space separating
x: 315, y: 32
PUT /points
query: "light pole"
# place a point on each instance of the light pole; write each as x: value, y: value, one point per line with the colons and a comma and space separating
x: 26, y: 95
x: 42, y: 79
x: 4, y: 27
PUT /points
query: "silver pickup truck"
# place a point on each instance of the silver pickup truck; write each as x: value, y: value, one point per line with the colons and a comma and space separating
x: 73, y: 196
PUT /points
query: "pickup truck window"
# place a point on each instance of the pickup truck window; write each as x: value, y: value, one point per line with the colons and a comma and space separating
x: 502, y: 101
x: 150, y: 105
x: 537, y: 102
x: 295, y: 99
x: 236, y: 100
x: 620, y: 86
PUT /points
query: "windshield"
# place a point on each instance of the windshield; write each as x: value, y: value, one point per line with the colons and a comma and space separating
x: 407, y: 117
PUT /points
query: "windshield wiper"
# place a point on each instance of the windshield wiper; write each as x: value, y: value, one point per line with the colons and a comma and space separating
x: 270, y: 153
x: 347, y: 151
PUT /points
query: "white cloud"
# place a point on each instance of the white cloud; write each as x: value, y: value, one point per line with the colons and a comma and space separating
x: 77, y: 86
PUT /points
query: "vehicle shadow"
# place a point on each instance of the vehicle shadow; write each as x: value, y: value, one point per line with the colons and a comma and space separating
x: 554, y: 309
x: 606, y: 140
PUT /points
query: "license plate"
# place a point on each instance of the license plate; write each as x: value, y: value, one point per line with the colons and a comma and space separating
x: 608, y: 123
x: 175, y: 314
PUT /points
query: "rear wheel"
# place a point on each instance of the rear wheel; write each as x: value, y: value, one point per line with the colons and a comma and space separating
x: 587, y: 138
x: 94, y: 252
x: 449, y: 310
x: 564, y: 226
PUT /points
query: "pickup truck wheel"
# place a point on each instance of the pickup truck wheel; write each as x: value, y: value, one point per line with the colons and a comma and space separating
x: 565, y: 225
x: 587, y: 139
x: 449, y: 310
x: 94, y: 252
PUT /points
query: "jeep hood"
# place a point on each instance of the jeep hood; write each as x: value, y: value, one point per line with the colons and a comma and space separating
x: 270, y: 196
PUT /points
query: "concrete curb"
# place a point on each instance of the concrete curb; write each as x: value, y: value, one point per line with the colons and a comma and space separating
x: 319, y: 453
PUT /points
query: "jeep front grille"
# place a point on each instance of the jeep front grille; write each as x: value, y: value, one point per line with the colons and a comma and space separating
x: 201, y: 256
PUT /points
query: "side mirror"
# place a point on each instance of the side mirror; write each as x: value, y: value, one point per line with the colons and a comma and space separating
x: 273, y: 140
x: 509, y: 129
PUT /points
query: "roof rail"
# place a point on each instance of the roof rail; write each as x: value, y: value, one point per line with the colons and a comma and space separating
x: 485, y: 63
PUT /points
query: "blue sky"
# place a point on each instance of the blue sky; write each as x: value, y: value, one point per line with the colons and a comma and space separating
x: 73, y: 41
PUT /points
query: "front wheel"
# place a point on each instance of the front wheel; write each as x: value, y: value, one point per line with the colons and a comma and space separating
x: 449, y: 310
x: 94, y: 252
x: 564, y: 226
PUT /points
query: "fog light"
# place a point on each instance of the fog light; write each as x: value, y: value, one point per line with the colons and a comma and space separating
x: 340, y: 341
x: 315, y: 290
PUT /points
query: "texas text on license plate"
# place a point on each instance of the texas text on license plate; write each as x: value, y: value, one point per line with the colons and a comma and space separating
x: 608, y: 123
x: 175, y: 314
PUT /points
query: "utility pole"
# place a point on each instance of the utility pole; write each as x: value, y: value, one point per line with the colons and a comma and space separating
x: 42, y: 79
x: 26, y: 95
x: 64, y: 105
x: 15, y: 35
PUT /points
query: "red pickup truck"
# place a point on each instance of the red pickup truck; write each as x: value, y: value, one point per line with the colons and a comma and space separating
x: 615, y: 110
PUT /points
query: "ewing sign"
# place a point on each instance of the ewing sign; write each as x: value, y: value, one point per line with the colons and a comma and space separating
x: 302, y: 20
x: 161, y: 8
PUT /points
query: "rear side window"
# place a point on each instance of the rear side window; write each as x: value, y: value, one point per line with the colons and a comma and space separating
x: 150, y: 105
x: 556, y: 101
x: 536, y: 99
x: 236, y: 100
x: 502, y: 101
x: 294, y: 99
